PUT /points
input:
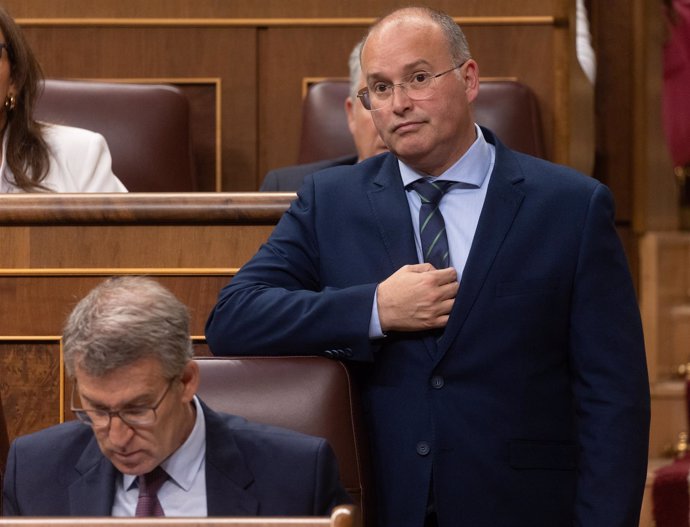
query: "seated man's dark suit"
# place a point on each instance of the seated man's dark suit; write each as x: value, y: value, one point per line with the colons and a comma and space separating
x: 251, y: 470
x: 532, y: 408
x: 289, y: 179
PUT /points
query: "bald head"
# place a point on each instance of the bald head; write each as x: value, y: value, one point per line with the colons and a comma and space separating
x: 421, y: 16
x: 417, y: 67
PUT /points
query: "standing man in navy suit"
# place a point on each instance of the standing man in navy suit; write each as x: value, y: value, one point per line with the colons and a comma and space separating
x: 127, y: 347
x: 505, y: 386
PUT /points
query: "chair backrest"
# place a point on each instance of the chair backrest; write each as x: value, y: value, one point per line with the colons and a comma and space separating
x: 508, y: 108
x: 325, y: 134
x: 340, y: 517
x: 313, y: 395
x: 146, y: 126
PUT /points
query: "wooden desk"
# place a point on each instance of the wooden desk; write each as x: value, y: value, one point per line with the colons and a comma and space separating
x: 56, y: 248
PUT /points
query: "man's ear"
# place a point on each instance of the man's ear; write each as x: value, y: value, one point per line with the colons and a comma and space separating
x: 471, y: 78
x: 349, y: 111
x: 190, y: 380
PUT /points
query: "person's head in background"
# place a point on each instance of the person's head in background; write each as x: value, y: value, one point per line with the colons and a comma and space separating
x: 26, y: 152
x: 126, y: 346
x: 367, y: 139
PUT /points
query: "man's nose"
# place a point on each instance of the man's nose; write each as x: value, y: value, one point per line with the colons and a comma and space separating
x: 119, y: 432
x: 400, y: 101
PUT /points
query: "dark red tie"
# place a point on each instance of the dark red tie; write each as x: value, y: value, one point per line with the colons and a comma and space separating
x: 149, y: 485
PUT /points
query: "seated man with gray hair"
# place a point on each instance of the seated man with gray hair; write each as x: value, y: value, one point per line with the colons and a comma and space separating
x: 144, y: 444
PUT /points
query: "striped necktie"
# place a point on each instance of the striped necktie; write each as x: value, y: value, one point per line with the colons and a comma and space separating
x: 432, y: 228
x: 149, y: 485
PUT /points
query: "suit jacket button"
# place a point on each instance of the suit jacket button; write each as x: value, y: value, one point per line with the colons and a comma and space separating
x: 423, y: 448
x: 437, y: 382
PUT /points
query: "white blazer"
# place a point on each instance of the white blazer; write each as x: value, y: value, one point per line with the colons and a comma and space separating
x: 79, y: 162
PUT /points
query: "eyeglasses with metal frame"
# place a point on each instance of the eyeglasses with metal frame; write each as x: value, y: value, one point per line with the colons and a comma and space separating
x: 418, y: 86
x: 133, y: 416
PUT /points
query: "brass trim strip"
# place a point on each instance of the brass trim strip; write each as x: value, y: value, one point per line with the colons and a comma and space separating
x: 278, y: 22
x: 109, y: 271
x: 29, y: 338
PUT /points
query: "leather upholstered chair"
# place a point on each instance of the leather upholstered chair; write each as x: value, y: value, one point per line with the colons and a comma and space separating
x: 325, y: 134
x: 313, y: 395
x: 508, y: 108
x: 146, y: 127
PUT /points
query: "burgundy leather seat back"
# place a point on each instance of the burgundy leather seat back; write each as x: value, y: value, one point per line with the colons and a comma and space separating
x: 313, y: 395
x: 508, y: 108
x: 325, y: 134
x: 146, y: 127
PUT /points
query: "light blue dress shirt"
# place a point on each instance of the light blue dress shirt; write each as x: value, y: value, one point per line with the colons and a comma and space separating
x: 184, y: 493
x: 460, y: 206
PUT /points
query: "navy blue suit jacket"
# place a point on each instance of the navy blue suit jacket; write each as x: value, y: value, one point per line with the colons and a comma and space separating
x: 251, y: 470
x: 533, y: 407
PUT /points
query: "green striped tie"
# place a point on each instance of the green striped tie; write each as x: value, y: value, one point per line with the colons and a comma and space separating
x: 432, y: 228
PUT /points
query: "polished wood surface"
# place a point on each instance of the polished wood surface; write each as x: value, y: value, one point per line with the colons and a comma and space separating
x: 342, y: 516
x: 56, y: 248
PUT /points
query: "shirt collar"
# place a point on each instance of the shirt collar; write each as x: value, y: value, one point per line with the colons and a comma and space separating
x: 183, y: 464
x: 470, y: 170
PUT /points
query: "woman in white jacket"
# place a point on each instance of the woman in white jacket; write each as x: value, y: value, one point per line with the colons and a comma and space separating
x: 40, y: 157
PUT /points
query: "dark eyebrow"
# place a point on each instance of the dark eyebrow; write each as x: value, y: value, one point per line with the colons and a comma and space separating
x: 408, y: 68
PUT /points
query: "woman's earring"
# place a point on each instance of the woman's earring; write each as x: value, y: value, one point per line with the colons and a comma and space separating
x: 10, y: 102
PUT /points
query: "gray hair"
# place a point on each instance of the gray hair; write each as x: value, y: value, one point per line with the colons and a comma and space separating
x: 457, y: 42
x: 355, y: 70
x: 125, y: 319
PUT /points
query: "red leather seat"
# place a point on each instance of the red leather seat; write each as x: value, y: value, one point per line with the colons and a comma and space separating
x: 313, y: 395
x: 146, y: 127
x: 508, y: 108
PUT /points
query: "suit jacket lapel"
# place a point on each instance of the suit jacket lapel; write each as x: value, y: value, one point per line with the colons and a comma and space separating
x: 227, y: 476
x: 391, y: 210
x: 503, y: 200
x: 93, y: 492
x: 391, y: 213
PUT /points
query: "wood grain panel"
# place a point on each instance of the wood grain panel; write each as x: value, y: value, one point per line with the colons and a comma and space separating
x: 286, y: 56
x: 30, y: 384
x: 267, y: 8
x: 66, y: 244
x: 40, y: 304
x: 95, y: 52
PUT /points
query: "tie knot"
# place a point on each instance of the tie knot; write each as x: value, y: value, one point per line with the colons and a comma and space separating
x: 150, y: 484
x: 431, y: 191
